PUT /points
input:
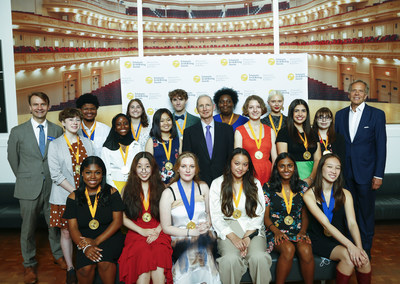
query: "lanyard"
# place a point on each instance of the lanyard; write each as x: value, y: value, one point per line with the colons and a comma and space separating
x: 236, y: 201
x: 230, y: 120
x: 273, y: 125
x: 167, y: 153
x: 189, y: 207
x: 288, y: 204
x: 124, y: 155
x: 93, y: 207
x: 183, y: 127
x: 91, y: 136
x: 305, y: 143
x: 146, y: 202
x: 77, y: 148
x: 135, y: 135
x: 322, y: 140
x: 258, y: 141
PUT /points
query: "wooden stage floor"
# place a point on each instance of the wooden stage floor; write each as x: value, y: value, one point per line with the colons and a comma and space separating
x: 385, y: 257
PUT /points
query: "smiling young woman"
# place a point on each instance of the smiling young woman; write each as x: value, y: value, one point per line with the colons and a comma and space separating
x: 139, y: 122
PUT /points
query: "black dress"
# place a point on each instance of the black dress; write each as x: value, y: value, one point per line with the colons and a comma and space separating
x: 321, y: 244
x: 112, y: 247
x: 338, y: 147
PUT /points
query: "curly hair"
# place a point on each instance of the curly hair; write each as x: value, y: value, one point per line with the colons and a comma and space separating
x: 226, y: 91
x: 87, y: 98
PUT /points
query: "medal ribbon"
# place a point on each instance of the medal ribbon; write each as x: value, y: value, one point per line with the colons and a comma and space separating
x: 124, y: 155
x: 258, y: 141
x: 328, y: 211
x: 305, y: 143
x: 189, y: 207
x: 167, y: 153
x: 135, y: 135
x: 239, y: 195
x: 77, y: 148
x: 288, y: 204
x: 93, y: 208
x: 146, y: 202
x: 91, y: 133
x: 230, y: 120
x: 322, y: 141
x: 183, y: 126
x: 273, y: 125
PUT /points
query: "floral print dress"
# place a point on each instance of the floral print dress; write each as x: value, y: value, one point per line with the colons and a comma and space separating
x: 161, y: 158
x: 278, y: 213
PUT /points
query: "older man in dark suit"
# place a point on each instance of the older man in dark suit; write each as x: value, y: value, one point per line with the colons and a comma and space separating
x: 211, y: 141
x: 364, y: 130
x: 27, y: 154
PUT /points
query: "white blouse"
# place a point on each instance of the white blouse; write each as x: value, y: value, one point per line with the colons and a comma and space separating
x: 219, y: 219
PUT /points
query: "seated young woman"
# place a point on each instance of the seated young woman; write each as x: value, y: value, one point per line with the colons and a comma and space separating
x: 184, y: 212
x: 286, y: 219
x: 94, y: 213
x: 332, y: 218
x: 237, y: 212
x: 147, y: 253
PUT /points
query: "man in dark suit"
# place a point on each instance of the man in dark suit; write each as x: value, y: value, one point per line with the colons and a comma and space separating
x: 364, y: 130
x: 183, y: 119
x: 211, y: 141
x: 27, y: 154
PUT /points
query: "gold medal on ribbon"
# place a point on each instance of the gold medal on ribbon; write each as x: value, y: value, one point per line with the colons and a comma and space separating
x: 94, y: 224
x: 191, y: 225
x: 326, y: 152
x: 136, y: 135
x: 78, y: 169
x: 237, y: 214
x: 306, y: 155
x: 91, y: 133
x: 258, y: 155
x: 146, y: 217
x: 288, y: 220
x: 324, y: 143
x: 230, y: 120
x: 326, y: 233
x: 124, y: 168
x: 77, y: 165
x: 169, y: 166
x: 273, y: 125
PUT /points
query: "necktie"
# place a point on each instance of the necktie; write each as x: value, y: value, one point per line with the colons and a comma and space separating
x: 180, y: 117
x: 209, y: 141
x: 42, y: 140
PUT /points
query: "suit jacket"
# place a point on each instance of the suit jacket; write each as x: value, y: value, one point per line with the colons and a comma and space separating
x: 366, y: 155
x: 26, y: 161
x: 60, y: 165
x: 195, y: 142
x: 191, y: 120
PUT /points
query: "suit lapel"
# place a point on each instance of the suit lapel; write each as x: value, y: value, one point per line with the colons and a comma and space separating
x: 202, y: 141
x: 363, y: 121
x: 50, y: 133
x: 31, y: 137
x: 346, y: 124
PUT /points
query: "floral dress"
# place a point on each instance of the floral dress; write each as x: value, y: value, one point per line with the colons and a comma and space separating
x: 161, y: 158
x: 278, y: 213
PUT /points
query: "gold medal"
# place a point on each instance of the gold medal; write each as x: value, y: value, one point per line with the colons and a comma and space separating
x: 191, y: 225
x: 77, y: 169
x: 236, y: 214
x: 146, y: 217
x: 288, y: 220
x: 326, y: 152
x: 326, y: 233
x: 258, y: 155
x: 124, y: 170
x: 169, y: 166
x: 94, y: 224
x: 306, y: 155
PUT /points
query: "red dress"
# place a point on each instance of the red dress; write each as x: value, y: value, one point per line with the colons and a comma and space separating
x: 262, y: 166
x: 139, y: 257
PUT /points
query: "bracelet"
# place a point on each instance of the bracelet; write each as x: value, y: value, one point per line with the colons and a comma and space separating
x: 86, y: 248
x: 269, y: 226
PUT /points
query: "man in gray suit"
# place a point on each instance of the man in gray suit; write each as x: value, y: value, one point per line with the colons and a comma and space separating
x: 27, y: 154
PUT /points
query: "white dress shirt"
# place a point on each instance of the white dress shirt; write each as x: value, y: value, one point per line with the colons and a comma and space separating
x: 100, y: 135
x: 36, y: 129
x: 354, y: 120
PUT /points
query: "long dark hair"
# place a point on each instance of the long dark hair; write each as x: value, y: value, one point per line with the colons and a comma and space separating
x: 114, y: 139
x: 155, y: 127
x: 133, y: 192
x: 144, y: 120
x: 338, y: 184
x: 105, y: 192
x: 177, y: 165
x: 275, y: 183
x: 249, y: 187
x: 324, y: 111
x: 292, y: 130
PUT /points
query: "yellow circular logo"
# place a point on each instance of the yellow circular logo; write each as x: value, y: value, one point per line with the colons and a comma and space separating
x: 130, y: 96
x: 271, y: 61
x: 244, y: 77
x: 128, y: 64
x: 270, y: 91
x: 150, y: 111
x: 196, y: 79
x: 224, y: 62
x: 149, y: 80
x: 176, y: 63
x: 290, y: 76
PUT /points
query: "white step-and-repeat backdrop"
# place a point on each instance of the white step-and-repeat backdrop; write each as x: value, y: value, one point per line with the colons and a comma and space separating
x: 151, y: 78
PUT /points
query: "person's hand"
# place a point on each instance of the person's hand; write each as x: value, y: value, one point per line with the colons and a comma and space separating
x: 280, y: 238
x: 302, y: 237
x: 376, y: 183
x: 153, y: 236
x: 85, y: 241
x: 194, y: 232
x: 203, y: 227
x: 147, y: 232
x: 93, y: 253
x: 357, y: 256
x: 239, y: 243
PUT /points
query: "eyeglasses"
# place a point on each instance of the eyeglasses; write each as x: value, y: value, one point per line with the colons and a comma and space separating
x: 326, y: 118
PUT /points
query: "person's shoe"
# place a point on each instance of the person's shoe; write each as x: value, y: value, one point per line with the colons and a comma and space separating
x: 61, y: 262
x: 30, y: 275
x: 71, y: 277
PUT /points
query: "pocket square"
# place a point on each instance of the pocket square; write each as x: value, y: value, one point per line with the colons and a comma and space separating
x: 366, y: 126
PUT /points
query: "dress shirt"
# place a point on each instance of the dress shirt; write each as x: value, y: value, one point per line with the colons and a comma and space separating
x: 100, y: 135
x: 218, y: 218
x: 36, y: 129
x: 354, y: 120
x: 212, y: 129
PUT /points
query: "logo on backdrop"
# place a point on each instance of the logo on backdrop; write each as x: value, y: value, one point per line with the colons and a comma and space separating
x: 130, y: 96
x: 150, y: 111
x: 128, y: 64
x: 271, y: 61
x: 149, y: 80
x: 224, y: 62
x: 176, y: 63
x: 196, y: 79
x: 244, y: 77
x: 290, y: 76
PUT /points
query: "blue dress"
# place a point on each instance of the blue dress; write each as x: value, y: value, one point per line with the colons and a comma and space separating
x: 240, y: 121
x: 161, y: 158
x: 277, y: 213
